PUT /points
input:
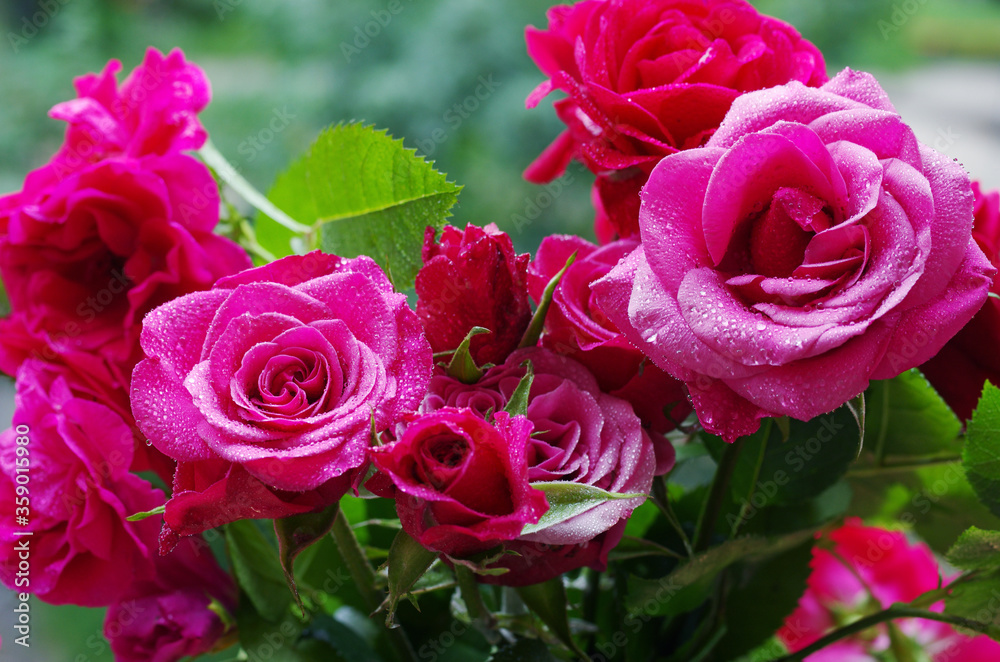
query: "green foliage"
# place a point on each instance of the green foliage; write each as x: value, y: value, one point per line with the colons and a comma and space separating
x: 365, y: 194
x: 518, y: 403
x: 462, y: 366
x: 537, y: 325
x: 257, y: 569
x: 296, y: 534
x: 4, y: 301
x: 906, y: 417
x: 750, y: 620
x: 408, y: 561
x: 548, y: 602
x: 976, y: 550
x: 982, y: 451
x: 772, y: 472
x: 522, y: 650
x: 568, y: 500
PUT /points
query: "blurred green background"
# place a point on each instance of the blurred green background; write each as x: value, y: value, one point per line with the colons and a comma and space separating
x: 283, y: 69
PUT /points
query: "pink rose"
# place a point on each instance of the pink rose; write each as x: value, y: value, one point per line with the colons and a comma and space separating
x: 281, y: 372
x: 167, y: 618
x: 577, y: 327
x: 883, y: 569
x: 85, y: 257
x: 963, y: 366
x: 154, y: 112
x: 646, y: 79
x: 77, y: 459
x: 460, y: 483
x: 581, y: 436
x: 813, y: 245
x: 469, y: 279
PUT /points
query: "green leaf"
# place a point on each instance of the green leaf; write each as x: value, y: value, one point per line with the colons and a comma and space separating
x: 408, y: 561
x: 976, y: 550
x: 367, y: 194
x: 534, y: 330
x: 298, y: 532
x: 282, y: 641
x: 907, y: 417
x: 138, y: 517
x: 568, y: 500
x: 982, y: 449
x: 977, y: 599
x: 548, y: 602
x: 4, y: 301
x: 816, y: 455
x: 667, y: 595
x: 256, y: 566
x: 783, y: 580
x: 462, y: 366
x: 522, y: 650
x: 345, y: 640
x: 518, y: 403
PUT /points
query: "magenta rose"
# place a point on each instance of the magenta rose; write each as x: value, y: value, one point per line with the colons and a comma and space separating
x: 154, y: 112
x: 460, y: 483
x: 473, y: 278
x: 85, y: 257
x: 167, y: 618
x: 581, y: 436
x: 117, y: 223
x: 577, y: 327
x: 276, y: 376
x: 76, y: 454
x: 963, y: 366
x: 862, y: 570
x: 811, y: 246
x: 646, y: 79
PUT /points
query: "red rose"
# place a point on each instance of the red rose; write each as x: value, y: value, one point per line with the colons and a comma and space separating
x: 972, y: 357
x: 473, y: 278
x: 648, y: 78
x: 461, y: 484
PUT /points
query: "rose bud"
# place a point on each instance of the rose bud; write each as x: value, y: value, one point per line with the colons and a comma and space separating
x: 461, y: 483
x: 470, y: 279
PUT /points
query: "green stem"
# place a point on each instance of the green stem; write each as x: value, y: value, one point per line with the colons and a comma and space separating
x: 472, y: 598
x: 883, y: 429
x: 892, y: 613
x: 717, y: 496
x: 227, y: 173
x: 364, y: 578
x: 745, y: 508
x: 662, y: 501
x: 910, y: 465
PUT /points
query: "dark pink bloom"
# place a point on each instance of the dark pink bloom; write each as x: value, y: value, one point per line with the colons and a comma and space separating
x: 154, y: 112
x: 473, y: 278
x: 577, y: 327
x: 82, y: 550
x: 581, y: 436
x: 646, y: 79
x: 167, y: 617
x: 280, y: 371
x: 460, y: 483
x: 85, y: 257
x: 963, y: 366
x: 811, y: 246
x: 868, y: 570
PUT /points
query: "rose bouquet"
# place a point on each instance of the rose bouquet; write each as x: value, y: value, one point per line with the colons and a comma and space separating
x: 345, y: 429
